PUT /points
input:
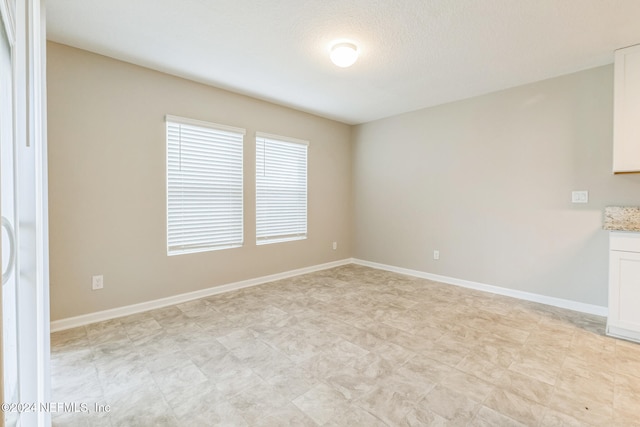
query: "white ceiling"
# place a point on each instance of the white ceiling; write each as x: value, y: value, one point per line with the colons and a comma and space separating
x: 414, y: 53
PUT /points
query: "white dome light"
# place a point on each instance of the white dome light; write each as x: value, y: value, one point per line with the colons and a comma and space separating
x: 344, y: 54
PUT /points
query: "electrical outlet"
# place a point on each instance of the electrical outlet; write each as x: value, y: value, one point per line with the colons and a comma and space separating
x: 335, y: 245
x: 436, y: 254
x: 581, y: 196
x: 97, y: 282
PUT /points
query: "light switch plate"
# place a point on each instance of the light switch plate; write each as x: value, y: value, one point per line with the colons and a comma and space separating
x: 581, y: 196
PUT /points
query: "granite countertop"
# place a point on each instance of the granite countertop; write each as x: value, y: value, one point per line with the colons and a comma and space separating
x: 622, y: 218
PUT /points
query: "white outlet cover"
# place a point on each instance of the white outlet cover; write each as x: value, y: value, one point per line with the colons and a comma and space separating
x: 580, y: 196
x: 97, y: 282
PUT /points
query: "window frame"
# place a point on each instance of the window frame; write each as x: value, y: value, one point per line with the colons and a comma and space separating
x: 302, y: 230
x: 235, y: 143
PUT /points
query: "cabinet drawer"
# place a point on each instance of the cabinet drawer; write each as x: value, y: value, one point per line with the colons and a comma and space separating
x: 624, y: 241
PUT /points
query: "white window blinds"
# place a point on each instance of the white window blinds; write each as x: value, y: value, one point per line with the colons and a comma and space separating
x: 204, y: 186
x: 281, y: 189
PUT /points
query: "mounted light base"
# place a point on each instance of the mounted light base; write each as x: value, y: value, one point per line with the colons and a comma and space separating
x: 344, y: 54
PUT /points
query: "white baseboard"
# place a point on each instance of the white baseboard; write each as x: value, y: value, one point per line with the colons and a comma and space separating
x: 623, y: 333
x: 527, y: 296
x: 99, y: 316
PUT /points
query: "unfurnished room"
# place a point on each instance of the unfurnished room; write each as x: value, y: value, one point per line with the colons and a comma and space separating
x: 320, y: 213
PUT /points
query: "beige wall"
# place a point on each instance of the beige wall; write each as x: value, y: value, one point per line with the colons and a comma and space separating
x: 488, y: 181
x: 107, y: 184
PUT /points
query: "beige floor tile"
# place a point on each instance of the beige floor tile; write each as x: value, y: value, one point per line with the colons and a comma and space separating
x: 388, y: 405
x: 164, y: 361
x: 243, y: 344
x: 527, y: 387
x: 462, y: 333
x: 555, y: 418
x: 627, y: 384
x: 322, y: 403
x: 140, y: 406
x: 446, y: 349
x: 626, y: 401
x: 513, y: 406
x: 497, y: 351
x: 196, y: 308
x: 410, y: 388
x: 116, y: 376
x: 376, y: 367
x: 220, y: 414
x: 216, y: 324
x: 547, y: 337
x: 583, y: 409
x: 590, y: 343
x: 589, y: 391
x: 477, y: 365
x: 469, y: 385
x: 108, y: 333
x: 154, y: 343
x: 230, y: 375
x: 293, y: 382
x: 627, y: 417
x: 425, y: 369
x: 270, y: 363
x: 355, y: 416
x: 542, y: 369
x: 418, y: 417
x: 628, y: 358
x: 320, y: 366
x: 589, y: 366
x: 487, y: 417
x: 183, y: 373
x: 69, y: 339
x: 72, y: 363
x: 392, y: 353
x: 170, y: 317
x: 288, y: 415
x: 188, y: 400
x: 297, y: 345
x: 450, y: 405
x: 510, y: 333
x: 85, y: 388
x: 349, y: 346
x: 201, y: 353
x: 350, y: 383
x: 141, y: 328
x: 99, y: 328
x: 257, y: 401
x: 80, y: 420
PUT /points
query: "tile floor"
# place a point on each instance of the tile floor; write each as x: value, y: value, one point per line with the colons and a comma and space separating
x: 349, y: 346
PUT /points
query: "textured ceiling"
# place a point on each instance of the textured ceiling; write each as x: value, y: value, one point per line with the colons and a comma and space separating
x: 414, y: 53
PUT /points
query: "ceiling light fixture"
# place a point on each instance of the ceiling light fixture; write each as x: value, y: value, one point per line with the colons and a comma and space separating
x: 344, y: 54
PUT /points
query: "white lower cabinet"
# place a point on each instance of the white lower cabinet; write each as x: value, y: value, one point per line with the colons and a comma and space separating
x: 624, y: 285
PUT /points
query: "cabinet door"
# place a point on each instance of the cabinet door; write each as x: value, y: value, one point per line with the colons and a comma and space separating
x: 624, y: 290
x: 626, y: 125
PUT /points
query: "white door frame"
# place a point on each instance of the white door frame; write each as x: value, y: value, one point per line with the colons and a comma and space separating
x: 8, y: 21
x: 32, y: 229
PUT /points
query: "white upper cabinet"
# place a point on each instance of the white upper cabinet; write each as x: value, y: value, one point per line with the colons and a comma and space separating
x: 626, y: 119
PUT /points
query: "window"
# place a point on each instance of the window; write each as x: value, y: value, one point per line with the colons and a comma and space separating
x: 204, y: 186
x: 281, y: 189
